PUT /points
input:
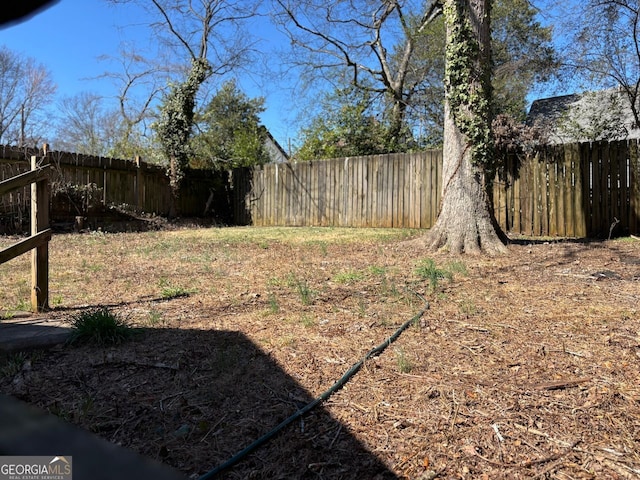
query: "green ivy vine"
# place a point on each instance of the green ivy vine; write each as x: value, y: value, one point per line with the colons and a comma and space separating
x: 176, y: 119
x: 468, y: 85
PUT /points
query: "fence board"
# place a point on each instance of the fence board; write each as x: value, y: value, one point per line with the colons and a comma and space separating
x: 614, y: 181
x: 623, y: 192
x: 605, y: 179
x: 555, y: 194
x: 568, y: 187
x: 634, y: 187
x: 516, y: 210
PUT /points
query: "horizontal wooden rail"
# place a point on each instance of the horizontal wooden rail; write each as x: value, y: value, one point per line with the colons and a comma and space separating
x: 25, y: 245
x: 24, y: 179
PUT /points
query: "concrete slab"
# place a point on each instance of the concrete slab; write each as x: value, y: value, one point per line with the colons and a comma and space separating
x: 25, y: 332
x: 27, y: 430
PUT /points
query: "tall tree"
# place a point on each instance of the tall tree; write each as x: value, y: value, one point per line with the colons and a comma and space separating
x: 175, y: 124
x: 523, y: 57
x: 605, y: 47
x: 395, y: 52
x: 229, y: 133
x: 26, y: 89
x: 466, y: 222
x: 373, y: 42
x: 204, y: 38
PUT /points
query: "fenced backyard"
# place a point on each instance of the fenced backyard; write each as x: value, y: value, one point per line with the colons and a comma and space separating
x: 577, y: 190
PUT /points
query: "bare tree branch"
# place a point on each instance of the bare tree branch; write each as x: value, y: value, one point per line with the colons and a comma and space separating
x: 373, y: 41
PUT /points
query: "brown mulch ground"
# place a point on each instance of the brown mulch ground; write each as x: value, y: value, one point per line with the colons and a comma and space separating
x: 527, y: 366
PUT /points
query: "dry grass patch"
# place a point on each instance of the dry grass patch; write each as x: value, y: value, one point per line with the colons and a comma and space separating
x: 525, y: 366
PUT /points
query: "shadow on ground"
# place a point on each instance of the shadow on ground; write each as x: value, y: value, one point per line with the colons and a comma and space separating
x: 192, y: 399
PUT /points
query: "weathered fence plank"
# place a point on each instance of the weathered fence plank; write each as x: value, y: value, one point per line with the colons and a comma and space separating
x: 634, y: 187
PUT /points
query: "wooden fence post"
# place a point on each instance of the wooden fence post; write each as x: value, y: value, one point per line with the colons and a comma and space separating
x: 139, y: 189
x: 40, y: 254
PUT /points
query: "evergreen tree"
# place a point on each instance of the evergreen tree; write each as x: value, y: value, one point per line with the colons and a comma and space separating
x: 229, y: 131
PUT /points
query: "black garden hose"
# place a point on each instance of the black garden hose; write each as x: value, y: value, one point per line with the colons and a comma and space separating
x: 311, y: 405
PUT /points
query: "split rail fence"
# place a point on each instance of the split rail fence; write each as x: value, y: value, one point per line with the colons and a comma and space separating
x: 38, y: 242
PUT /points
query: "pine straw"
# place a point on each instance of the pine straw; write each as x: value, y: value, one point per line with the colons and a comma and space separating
x: 527, y: 367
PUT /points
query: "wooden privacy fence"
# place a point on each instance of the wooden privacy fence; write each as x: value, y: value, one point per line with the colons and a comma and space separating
x: 135, y: 184
x: 393, y: 190
x: 38, y: 242
x: 574, y: 190
x: 577, y: 190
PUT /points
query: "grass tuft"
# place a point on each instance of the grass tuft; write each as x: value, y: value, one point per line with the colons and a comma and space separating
x: 302, y: 288
x: 169, y: 291
x: 427, y: 270
x: 348, y: 277
x: 99, y: 327
x: 404, y: 363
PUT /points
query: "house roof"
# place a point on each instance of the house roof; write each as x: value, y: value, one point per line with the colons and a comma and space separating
x: 584, y: 117
x: 276, y: 152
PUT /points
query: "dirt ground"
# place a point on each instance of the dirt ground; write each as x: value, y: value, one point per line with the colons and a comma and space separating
x: 523, y: 366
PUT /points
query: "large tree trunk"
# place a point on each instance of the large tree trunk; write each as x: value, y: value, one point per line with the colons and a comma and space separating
x: 466, y: 222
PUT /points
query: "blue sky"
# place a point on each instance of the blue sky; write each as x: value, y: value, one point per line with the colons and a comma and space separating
x: 69, y: 37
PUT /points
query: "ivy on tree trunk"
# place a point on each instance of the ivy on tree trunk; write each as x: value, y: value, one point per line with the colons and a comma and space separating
x: 176, y: 122
x: 466, y: 222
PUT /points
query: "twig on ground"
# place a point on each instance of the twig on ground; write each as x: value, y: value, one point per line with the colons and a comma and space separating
x: 470, y: 327
x: 610, y: 454
x: 136, y: 364
x: 335, y: 437
x: 559, y: 385
x: 470, y: 450
x: 550, y: 458
x: 546, y: 470
x: 498, y: 434
x: 621, y: 468
x: 613, y: 225
x: 214, y: 427
x: 539, y: 433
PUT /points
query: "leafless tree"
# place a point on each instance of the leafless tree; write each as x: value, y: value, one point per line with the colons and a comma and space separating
x: 85, y: 126
x: 26, y: 88
x: 374, y: 40
x: 139, y: 84
x: 198, y: 39
x: 603, y: 47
